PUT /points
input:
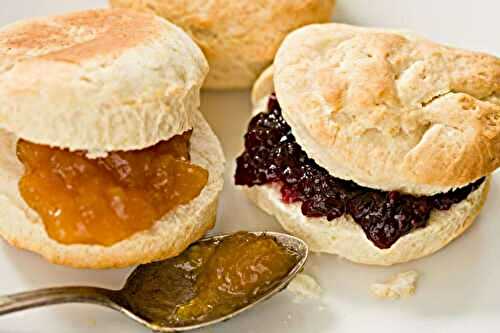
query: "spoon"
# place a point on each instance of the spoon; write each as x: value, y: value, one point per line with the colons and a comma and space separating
x: 114, y: 298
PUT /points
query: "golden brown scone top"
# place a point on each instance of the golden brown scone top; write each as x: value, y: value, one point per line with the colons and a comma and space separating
x: 239, y: 38
x: 390, y: 110
x: 99, y: 80
x: 77, y: 37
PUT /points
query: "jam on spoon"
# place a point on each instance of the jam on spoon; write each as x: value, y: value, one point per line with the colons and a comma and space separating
x: 213, y: 280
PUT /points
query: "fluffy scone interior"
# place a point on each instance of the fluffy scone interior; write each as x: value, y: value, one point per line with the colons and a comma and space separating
x: 98, y: 82
x: 342, y: 235
x: 239, y: 38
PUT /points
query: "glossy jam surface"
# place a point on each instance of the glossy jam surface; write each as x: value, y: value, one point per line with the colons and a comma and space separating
x: 209, y: 280
x: 105, y: 200
x: 273, y: 156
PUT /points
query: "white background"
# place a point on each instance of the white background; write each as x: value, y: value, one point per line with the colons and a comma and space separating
x: 459, y: 289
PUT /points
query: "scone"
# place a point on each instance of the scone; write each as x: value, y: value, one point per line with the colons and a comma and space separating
x: 106, y: 161
x: 377, y: 146
x: 239, y: 38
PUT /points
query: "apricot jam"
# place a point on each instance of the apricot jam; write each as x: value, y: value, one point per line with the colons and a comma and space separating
x: 105, y: 200
x: 209, y: 280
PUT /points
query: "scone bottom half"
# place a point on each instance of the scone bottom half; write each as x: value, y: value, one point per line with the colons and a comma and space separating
x: 272, y: 157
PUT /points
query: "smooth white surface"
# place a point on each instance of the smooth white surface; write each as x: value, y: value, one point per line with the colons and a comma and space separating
x: 459, y: 287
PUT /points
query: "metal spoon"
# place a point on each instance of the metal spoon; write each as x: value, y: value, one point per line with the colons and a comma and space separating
x: 112, y: 298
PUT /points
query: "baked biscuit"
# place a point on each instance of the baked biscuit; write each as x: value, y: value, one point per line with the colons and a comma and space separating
x: 377, y: 145
x: 239, y: 38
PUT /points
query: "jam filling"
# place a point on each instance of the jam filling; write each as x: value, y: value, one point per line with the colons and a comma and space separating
x: 273, y: 156
x: 209, y: 280
x: 103, y: 201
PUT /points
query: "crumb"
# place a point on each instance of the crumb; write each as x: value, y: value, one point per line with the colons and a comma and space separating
x: 304, y: 286
x: 399, y: 286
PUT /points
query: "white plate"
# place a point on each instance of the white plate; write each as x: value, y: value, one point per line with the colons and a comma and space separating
x: 459, y: 287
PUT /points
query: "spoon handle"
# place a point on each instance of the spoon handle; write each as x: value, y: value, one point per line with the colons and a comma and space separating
x: 52, y: 296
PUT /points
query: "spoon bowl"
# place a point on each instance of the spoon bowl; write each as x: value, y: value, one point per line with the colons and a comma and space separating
x: 115, y: 299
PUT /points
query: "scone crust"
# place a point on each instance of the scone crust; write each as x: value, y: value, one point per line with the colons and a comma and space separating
x: 239, y: 38
x: 390, y: 110
x: 22, y: 227
x: 345, y: 238
x: 101, y: 80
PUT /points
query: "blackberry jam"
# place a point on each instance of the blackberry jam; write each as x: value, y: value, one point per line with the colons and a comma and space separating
x: 273, y: 156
